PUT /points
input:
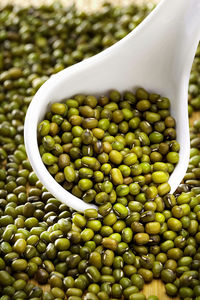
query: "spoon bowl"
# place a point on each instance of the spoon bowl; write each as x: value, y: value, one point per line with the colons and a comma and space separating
x: 157, y: 55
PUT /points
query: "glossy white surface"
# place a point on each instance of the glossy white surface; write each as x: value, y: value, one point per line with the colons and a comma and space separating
x: 157, y: 55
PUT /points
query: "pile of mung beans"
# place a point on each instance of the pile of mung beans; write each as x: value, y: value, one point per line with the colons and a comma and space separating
x: 82, y: 256
x: 111, y: 149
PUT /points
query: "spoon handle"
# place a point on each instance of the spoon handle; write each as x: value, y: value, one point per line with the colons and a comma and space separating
x: 167, y: 39
x: 192, y: 18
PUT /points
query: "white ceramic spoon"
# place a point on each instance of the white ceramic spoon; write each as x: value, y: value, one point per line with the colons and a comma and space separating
x: 157, y: 55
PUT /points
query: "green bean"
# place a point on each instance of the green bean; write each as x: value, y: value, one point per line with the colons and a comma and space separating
x: 137, y: 296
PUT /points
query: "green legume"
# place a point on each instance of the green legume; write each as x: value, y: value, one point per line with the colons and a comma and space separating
x: 69, y: 173
x: 137, y: 296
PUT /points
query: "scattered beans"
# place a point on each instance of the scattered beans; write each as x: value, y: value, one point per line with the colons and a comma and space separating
x: 117, y: 150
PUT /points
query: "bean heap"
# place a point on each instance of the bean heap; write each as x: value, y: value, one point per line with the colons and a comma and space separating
x: 111, y: 149
x: 82, y: 256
